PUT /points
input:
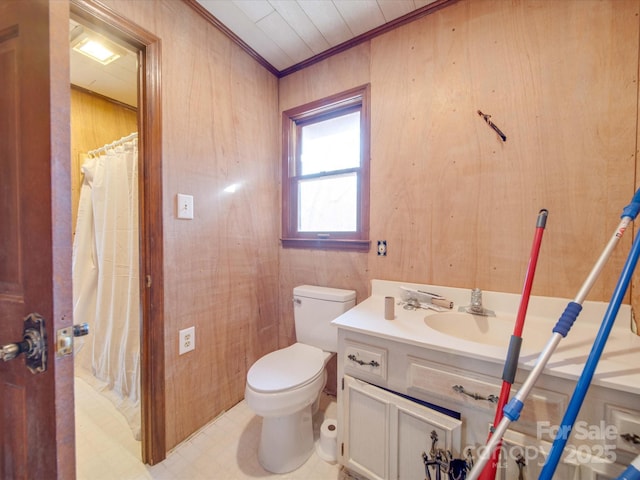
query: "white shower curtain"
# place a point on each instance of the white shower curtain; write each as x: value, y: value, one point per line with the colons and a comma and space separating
x: 106, y: 279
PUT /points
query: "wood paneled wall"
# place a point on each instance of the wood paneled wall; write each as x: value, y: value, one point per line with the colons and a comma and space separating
x: 95, y: 121
x: 457, y: 205
x: 220, y: 127
x: 298, y: 266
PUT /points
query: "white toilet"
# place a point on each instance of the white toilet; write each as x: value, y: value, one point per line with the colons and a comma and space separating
x: 284, y: 386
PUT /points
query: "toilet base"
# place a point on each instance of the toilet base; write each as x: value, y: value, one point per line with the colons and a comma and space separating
x: 286, y: 442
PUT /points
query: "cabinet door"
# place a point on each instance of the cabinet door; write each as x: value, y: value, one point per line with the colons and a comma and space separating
x: 601, y: 470
x: 366, y: 428
x: 413, y: 428
x: 386, y: 435
x: 523, y: 456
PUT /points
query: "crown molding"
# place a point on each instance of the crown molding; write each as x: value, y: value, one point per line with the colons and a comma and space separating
x: 398, y: 22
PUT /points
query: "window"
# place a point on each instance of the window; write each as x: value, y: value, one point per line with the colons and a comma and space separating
x: 325, y: 184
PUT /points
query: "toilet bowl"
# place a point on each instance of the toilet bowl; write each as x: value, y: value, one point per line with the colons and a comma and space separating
x: 285, y: 399
x: 284, y: 386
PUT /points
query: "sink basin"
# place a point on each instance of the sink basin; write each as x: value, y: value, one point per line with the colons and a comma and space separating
x: 489, y: 330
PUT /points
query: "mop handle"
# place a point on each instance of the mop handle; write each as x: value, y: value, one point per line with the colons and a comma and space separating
x: 511, y: 412
x: 632, y: 472
x: 511, y: 363
x: 565, y: 322
x: 592, y: 362
x: 514, y: 407
x: 513, y: 353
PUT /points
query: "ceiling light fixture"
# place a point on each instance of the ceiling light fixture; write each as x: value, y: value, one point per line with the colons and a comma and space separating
x: 95, y: 46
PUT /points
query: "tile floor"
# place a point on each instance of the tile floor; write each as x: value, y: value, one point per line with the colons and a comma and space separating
x: 225, y: 449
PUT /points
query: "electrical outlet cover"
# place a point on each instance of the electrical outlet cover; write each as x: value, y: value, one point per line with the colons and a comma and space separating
x: 187, y: 340
x: 382, y: 248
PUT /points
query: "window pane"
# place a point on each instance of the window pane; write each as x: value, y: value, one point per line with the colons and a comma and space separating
x: 332, y: 144
x: 328, y: 204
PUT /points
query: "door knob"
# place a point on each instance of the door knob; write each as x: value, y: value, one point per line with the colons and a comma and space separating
x: 33, y: 345
x: 11, y: 350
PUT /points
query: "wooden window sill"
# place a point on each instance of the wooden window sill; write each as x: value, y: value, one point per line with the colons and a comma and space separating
x: 327, y: 244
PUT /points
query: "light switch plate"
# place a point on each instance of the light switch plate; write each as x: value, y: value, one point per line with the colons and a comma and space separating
x: 185, y: 206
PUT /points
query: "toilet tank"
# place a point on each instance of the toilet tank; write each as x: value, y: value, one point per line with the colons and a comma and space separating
x: 314, y: 308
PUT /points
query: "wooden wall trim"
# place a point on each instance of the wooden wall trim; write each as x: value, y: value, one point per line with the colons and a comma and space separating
x: 118, y: 28
x: 398, y: 22
x: 365, y: 37
x: 153, y: 383
x: 103, y: 97
x: 206, y: 14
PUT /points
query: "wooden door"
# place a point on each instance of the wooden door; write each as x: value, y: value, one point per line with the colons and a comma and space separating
x: 36, y: 410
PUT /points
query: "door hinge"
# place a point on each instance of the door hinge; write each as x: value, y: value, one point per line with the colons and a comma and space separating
x: 342, y: 383
x: 148, y: 281
x: 342, y: 449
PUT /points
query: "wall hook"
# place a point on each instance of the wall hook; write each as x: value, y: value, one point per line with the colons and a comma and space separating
x: 487, y: 118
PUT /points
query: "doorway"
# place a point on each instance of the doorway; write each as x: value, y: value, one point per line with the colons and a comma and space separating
x: 105, y: 268
x: 128, y: 35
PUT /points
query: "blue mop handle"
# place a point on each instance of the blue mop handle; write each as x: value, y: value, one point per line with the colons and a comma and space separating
x: 592, y: 362
x: 633, y: 208
x: 632, y: 472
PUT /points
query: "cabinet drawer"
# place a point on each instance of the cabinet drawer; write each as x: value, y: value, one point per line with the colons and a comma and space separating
x: 479, y: 391
x: 459, y: 388
x: 627, y: 428
x: 365, y: 361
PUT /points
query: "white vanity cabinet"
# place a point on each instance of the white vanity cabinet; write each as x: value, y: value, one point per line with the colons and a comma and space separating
x: 387, y: 405
x: 382, y: 434
x: 399, y: 382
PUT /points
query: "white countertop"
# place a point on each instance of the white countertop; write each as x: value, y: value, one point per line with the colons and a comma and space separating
x: 618, y: 368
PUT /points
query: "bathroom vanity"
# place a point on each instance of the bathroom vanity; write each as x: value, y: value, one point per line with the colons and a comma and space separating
x: 421, y: 389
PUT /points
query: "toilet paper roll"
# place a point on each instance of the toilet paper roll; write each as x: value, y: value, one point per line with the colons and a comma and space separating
x: 389, y: 308
x: 328, y: 444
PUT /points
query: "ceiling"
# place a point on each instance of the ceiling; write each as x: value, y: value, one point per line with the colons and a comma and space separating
x: 280, y: 34
x: 288, y: 32
x: 117, y: 80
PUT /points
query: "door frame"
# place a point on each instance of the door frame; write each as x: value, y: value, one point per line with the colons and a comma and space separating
x: 104, y: 20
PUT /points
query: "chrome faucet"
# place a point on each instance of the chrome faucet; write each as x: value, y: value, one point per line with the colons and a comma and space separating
x: 476, y: 308
x: 476, y: 301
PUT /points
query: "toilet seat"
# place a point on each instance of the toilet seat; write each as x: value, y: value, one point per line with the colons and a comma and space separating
x: 285, y: 369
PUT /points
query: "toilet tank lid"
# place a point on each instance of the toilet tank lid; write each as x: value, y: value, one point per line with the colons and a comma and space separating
x: 324, y: 293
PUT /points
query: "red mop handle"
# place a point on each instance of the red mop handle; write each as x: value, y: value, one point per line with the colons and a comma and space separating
x: 511, y: 362
x: 531, y: 271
